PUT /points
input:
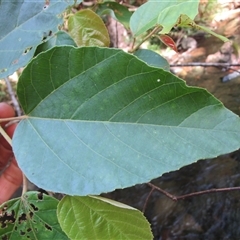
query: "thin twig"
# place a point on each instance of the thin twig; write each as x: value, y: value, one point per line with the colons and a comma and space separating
x: 203, y: 64
x: 12, y: 95
x: 155, y: 30
x: 4, y: 134
x: 146, y: 202
x: 12, y: 118
x: 176, y: 198
x: 213, y: 190
x: 24, y: 185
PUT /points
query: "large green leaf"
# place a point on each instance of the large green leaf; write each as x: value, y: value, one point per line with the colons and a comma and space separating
x: 164, y: 13
x: 100, y: 119
x: 100, y: 218
x: 88, y: 29
x: 33, y: 216
x: 24, y: 25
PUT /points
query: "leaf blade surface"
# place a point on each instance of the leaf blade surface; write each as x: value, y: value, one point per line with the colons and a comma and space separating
x: 88, y: 29
x: 33, y: 216
x: 31, y: 23
x: 96, y: 218
x: 114, y: 126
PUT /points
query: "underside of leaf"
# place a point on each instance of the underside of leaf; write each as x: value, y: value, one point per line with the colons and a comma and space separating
x: 102, y: 119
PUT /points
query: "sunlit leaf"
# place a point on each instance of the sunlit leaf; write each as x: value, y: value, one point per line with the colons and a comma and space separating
x: 163, y: 13
x: 100, y: 119
x: 88, y: 29
x: 100, y: 218
x: 24, y: 25
x: 33, y: 216
x: 115, y: 10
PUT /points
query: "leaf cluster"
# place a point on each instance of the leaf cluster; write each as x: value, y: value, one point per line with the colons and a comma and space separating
x: 98, y: 119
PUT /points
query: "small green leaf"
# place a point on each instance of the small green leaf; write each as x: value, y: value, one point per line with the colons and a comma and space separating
x: 99, y: 218
x: 33, y: 216
x: 88, y: 29
x: 24, y: 25
x: 115, y: 10
x: 163, y: 13
x: 152, y: 59
x: 185, y: 21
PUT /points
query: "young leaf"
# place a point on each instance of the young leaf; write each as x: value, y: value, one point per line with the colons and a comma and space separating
x: 88, y: 29
x: 101, y: 119
x: 163, y: 13
x: 168, y: 41
x: 24, y: 25
x: 115, y: 10
x: 152, y: 59
x: 33, y: 216
x: 99, y: 218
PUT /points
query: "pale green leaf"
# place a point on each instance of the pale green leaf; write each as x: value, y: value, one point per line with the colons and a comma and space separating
x: 101, y: 119
x: 96, y: 218
x: 88, y: 29
x: 185, y: 21
x: 115, y: 10
x: 152, y: 59
x: 24, y: 25
x: 163, y: 13
x: 33, y: 216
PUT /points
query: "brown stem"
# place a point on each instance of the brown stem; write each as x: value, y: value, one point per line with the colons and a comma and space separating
x: 213, y: 190
x: 176, y: 198
x: 203, y: 64
x: 25, y: 184
x: 146, y: 202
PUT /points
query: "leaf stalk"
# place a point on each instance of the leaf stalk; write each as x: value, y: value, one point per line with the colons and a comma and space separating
x: 155, y: 30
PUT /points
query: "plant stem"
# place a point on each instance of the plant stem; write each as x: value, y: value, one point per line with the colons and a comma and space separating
x: 213, y: 190
x: 203, y: 64
x: 155, y: 30
x: 12, y: 94
x: 148, y: 196
x: 4, y: 134
x: 176, y: 198
x: 12, y: 118
x: 25, y: 184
